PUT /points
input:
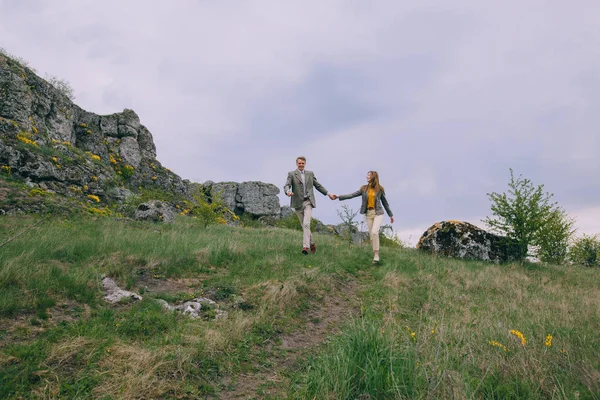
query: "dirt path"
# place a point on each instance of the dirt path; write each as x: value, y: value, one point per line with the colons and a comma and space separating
x: 321, y: 322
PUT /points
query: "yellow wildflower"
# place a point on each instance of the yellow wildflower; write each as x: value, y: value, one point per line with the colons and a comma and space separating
x: 499, y: 345
x: 548, y: 342
x: 25, y: 137
x: 519, y: 335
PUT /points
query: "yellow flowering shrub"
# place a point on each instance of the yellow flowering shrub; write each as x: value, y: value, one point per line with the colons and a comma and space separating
x: 5, y: 169
x: 102, y: 212
x: 128, y: 171
x: 26, y: 138
x: 94, y: 198
x: 93, y: 156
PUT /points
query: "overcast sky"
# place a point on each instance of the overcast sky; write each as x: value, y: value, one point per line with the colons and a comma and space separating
x: 440, y: 97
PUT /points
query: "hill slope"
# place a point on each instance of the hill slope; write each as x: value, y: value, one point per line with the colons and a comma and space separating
x: 329, y: 325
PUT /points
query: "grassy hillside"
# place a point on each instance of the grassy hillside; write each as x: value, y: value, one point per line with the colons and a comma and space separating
x: 324, y: 326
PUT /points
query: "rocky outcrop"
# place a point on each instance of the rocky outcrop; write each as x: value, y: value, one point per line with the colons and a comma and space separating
x: 55, y: 147
x: 64, y: 149
x: 459, y: 239
x: 254, y: 198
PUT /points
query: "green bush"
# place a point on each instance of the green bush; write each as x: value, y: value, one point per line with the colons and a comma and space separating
x: 209, y: 212
x: 388, y: 238
x: 528, y: 216
x: 554, y: 236
x: 586, y: 251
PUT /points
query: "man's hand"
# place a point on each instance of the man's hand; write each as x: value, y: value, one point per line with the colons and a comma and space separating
x: 332, y: 196
x: 289, y: 194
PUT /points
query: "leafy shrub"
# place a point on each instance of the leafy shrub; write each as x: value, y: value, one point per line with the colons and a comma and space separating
x: 586, y: 251
x: 527, y: 216
x: 388, y: 238
x: 554, y: 236
x: 347, y: 215
x: 208, y: 212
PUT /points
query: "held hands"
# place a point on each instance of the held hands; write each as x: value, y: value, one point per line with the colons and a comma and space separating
x: 332, y: 196
x: 290, y: 193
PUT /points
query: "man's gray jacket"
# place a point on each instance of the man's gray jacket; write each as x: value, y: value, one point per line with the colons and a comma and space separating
x: 294, y: 183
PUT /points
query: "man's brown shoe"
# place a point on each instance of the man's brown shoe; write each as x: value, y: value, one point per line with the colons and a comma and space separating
x: 305, y: 250
x: 313, y: 248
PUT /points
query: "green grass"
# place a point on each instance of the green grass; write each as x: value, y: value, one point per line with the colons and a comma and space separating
x: 423, y: 327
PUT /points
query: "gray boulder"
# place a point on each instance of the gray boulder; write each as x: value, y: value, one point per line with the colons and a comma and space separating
x: 227, y: 192
x: 120, y: 194
x: 258, y: 198
x: 113, y: 293
x: 458, y: 239
x: 195, y: 307
x: 286, y: 211
x: 155, y: 211
x: 255, y: 198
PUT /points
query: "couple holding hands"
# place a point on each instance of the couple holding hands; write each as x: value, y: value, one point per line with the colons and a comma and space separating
x: 299, y: 187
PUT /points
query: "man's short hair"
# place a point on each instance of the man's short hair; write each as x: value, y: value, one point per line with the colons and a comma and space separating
x: 301, y: 158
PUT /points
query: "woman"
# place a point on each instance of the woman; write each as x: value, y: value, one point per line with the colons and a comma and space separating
x: 373, y: 197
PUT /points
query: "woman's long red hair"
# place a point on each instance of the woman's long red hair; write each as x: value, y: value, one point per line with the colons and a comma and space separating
x: 373, y: 183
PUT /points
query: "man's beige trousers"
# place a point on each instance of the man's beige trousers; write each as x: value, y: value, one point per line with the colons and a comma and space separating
x: 305, y: 215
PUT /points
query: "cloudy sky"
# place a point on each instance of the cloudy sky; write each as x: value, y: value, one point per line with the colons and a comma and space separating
x: 440, y: 97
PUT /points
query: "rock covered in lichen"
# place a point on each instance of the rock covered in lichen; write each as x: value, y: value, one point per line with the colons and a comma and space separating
x: 154, y: 211
x: 458, y: 239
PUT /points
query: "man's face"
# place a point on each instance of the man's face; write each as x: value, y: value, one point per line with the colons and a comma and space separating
x: 300, y: 164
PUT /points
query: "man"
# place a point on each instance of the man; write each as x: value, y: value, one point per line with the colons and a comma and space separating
x: 299, y: 187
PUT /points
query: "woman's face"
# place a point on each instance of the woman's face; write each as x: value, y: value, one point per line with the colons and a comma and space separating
x: 368, y: 177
